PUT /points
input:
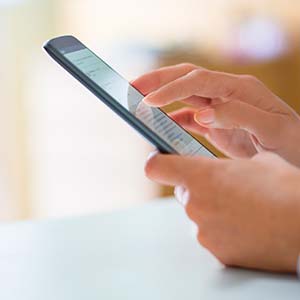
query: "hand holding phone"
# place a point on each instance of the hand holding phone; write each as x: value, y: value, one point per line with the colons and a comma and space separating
x: 117, y: 93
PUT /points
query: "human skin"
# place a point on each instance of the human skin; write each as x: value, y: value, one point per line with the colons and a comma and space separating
x: 237, y: 113
x: 247, y: 210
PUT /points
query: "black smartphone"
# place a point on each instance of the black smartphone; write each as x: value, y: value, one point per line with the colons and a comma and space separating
x: 117, y: 93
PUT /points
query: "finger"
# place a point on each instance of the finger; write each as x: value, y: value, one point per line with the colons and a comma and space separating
x: 157, y: 78
x: 239, y: 115
x: 199, y: 82
x: 186, y: 118
x: 175, y: 170
x: 197, y: 102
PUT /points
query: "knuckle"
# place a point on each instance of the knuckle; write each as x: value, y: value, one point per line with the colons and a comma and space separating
x: 215, y: 245
x: 157, y: 77
x: 266, y: 156
x: 202, y: 241
x: 204, y: 238
x: 226, y: 260
x: 249, y: 79
x: 188, y: 66
x: 200, y: 73
x: 190, y: 210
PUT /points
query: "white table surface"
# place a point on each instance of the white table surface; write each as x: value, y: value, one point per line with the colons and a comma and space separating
x: 149, y: 252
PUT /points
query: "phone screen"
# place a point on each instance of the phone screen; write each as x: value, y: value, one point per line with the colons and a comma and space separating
x: 130, y: 98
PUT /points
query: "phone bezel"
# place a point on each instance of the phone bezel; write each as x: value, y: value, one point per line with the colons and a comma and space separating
x: 52, y: 48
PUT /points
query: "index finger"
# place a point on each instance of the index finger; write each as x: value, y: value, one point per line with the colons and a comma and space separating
x: 176, y: 170
x: 199, y: 82
x: 153, y: 80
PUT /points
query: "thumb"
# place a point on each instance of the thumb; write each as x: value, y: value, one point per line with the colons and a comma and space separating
x: 265, y: 126
x: 176, y: 170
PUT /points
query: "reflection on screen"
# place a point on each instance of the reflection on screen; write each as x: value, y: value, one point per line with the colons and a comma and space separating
x: 131, y: 99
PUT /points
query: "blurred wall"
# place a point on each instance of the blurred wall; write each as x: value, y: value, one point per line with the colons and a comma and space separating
x: 21, y: 24
x: 62, y: 152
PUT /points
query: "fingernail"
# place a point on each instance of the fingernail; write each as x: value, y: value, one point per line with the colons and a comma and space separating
x: 152, y: 154
x: 181, y: 195
x: 206, y: 116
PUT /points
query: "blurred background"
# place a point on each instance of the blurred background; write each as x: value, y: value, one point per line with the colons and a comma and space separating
x: 64, y: 153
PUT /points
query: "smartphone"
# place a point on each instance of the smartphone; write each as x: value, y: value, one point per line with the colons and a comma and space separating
x: 117, y: 93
